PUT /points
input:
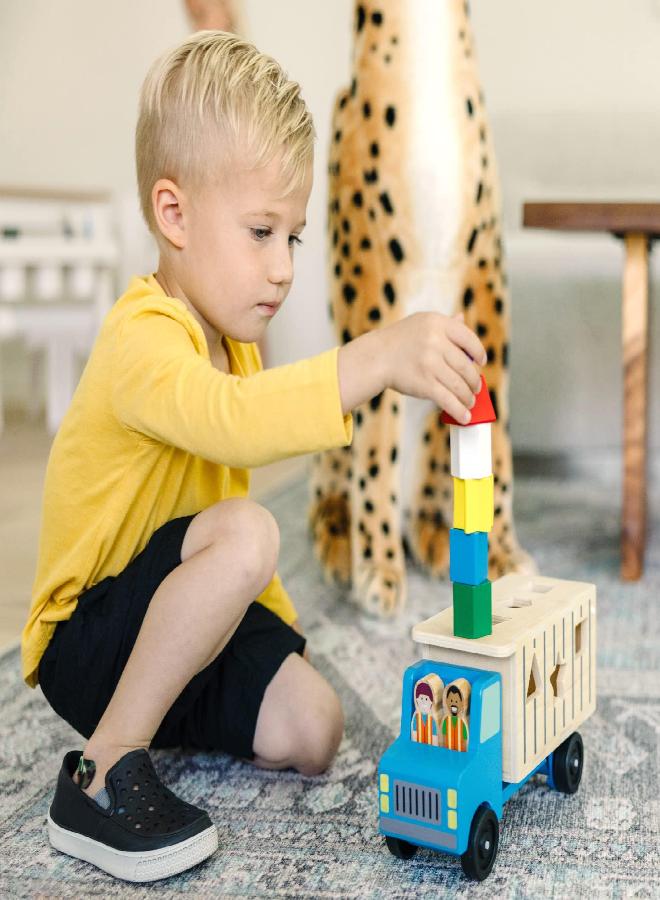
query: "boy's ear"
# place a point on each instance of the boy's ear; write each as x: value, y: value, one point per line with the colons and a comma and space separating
x: 167, y: 201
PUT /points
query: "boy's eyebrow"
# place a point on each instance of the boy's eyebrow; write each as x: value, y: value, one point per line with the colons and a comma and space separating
x: 267, y: 214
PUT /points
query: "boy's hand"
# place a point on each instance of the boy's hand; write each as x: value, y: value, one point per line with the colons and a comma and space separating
x: 430, y: 356
x: 425, y: 355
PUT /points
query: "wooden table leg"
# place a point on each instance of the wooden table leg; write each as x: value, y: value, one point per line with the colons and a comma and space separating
x: 635, y: 321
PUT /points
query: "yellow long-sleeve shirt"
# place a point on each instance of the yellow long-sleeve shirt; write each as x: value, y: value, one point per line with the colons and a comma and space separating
x: 155, y: 432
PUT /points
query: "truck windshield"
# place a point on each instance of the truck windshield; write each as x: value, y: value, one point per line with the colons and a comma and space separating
x: 490, y: 716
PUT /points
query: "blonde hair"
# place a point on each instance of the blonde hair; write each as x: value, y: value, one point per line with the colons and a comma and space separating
x: 212, y: 100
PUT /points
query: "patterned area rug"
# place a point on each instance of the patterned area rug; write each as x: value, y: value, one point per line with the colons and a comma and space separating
x: 282, y: 835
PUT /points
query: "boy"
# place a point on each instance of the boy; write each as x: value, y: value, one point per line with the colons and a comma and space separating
x: 158, y: 618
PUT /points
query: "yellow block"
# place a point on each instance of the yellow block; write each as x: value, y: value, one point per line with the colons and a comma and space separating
x: 473, y: 504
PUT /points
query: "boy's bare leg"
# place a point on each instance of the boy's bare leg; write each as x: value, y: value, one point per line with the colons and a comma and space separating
x: 229, y: 555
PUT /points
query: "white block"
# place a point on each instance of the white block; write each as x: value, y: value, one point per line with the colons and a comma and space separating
x: 471, y: 454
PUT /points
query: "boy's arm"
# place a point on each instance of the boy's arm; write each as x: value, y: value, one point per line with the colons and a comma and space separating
x: 165, y: 390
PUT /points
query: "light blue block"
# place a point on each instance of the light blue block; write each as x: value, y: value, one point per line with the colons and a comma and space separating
x: 468, y: 556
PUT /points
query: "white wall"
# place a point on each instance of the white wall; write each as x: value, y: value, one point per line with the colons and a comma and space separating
x: 573, y: 91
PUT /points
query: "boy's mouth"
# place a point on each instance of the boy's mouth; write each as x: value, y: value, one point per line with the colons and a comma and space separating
x: 269, y: 309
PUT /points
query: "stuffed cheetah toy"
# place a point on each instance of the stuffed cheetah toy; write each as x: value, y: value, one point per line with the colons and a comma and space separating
x: 414, y: 224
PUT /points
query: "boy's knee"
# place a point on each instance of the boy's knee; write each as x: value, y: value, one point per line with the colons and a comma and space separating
x: 319, y: 735
x: 256, y: 540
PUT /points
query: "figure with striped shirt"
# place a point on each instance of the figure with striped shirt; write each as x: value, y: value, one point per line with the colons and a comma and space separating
x: 428, y: 698
x: 454, y: 729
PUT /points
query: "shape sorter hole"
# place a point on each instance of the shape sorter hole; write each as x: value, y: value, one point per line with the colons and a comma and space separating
x: 539, y: 588
x: 516, y: 602
x: 497, y: 620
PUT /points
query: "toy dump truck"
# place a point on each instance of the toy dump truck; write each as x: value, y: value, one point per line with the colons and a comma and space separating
x: 480, y: 717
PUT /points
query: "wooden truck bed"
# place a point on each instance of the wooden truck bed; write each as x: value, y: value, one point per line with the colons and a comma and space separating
x: 544, y: 646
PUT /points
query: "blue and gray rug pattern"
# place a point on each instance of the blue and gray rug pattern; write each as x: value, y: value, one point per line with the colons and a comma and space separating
x: 283, y: 835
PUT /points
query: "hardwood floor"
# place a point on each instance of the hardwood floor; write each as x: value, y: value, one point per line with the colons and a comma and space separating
x: 24, y: 451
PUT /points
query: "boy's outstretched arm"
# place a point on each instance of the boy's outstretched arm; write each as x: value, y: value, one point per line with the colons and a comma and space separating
x: 425, y: 355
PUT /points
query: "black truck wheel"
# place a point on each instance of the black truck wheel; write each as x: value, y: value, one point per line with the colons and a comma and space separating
x: 567, y: 763
x: 400, y: 849
x: 479, y: 858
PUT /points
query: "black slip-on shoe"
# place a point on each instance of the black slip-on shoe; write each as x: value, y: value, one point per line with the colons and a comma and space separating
x: 147, y: 832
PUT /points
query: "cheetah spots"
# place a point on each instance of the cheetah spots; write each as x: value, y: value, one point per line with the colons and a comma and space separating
x: 389, y: 293
x: 386, y: 203
x: 377, y: 18
x: 368, y: 506
x: 505, y: 355
x: 374, y: 149
x: 468, y: 297
x: 373, y: 471
x: 390, y: 116
x: 470, y: 107
x: 346, y: 226
x: 360, y: 18
x: 499, y: 305
x: 338, y: 270
x: 393, y: 452
x: 493, y: 400
x: 358, y: 419
x: 396, y: 250
x: 482, y: 330
x: 357, y: 270
x: 371, y: 176
x: 345, y: 250
x: 374, y: 403
x: 366, y: 110
x: 374, y: 314
x: 471, y: 241
x: 354, y: 87
x: 365, y: 244
x: 490, y: 353
x: 335, y: 238
x: 385, y: 527
x: 395, y: 411
x: 480, y: 191
x: 349, y: 292
x: 357, y: 199
x: 346, y: 336
x: 482, y: 263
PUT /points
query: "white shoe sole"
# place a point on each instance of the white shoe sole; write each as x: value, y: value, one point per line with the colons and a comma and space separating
x: 131, y: 866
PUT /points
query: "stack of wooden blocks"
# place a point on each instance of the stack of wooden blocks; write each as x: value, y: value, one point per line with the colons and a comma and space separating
x: 472, y: 472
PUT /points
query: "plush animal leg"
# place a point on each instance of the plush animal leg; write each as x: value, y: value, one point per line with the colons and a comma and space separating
x: 378, y: 566
x: 330, y: 513
x: 431, y: 506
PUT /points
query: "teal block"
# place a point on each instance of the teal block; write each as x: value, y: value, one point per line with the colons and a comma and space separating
x: 468, y: 556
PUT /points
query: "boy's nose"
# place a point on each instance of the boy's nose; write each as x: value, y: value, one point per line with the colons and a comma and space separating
x: 281, y: 271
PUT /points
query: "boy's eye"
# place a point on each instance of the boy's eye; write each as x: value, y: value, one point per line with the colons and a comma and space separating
x: 260, y: 233
x: 294, y: 239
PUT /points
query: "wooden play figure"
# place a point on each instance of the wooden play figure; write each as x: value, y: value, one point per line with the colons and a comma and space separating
x: 424, y: 727
x: 414, y: 225
x: 454, y: 730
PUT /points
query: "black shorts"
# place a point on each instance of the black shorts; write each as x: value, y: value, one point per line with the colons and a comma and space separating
x: 217, y: 710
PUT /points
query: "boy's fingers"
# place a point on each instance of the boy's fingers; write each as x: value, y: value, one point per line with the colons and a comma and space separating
x: 462, y: 364
x: 468, y: 341
x: 448, y: 402
x: 456, y: 386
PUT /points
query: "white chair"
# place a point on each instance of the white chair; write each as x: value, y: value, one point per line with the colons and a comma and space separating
x: 58, y: 260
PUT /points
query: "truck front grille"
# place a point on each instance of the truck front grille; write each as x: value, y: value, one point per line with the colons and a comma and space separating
x: 416, y: 802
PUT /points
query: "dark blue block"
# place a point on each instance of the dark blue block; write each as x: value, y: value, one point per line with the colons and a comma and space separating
x: 468, y: 556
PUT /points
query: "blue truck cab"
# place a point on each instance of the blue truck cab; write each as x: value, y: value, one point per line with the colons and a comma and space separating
x: 447, y: 800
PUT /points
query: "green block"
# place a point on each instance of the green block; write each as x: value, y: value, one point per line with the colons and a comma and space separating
x: 473, y: 610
